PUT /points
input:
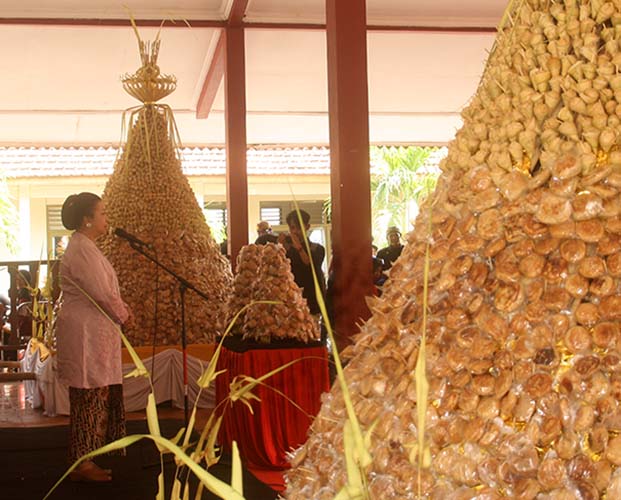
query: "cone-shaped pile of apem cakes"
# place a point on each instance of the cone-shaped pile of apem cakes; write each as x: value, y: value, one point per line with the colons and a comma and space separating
x: 149, y: 196
x: 523, y: 346
x: 264, y: 275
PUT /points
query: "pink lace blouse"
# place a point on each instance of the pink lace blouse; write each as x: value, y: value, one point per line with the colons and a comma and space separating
x: 88, y: 341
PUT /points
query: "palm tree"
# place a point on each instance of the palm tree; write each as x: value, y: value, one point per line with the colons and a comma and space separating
x: 8, y: 218
x: 400, y: 180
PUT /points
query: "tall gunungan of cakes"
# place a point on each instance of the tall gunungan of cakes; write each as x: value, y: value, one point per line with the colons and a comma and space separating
x: 523, y: 338
x: 149, y: 196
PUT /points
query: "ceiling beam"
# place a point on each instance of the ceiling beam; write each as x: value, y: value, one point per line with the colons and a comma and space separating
x: 213, y: 23
x: 212, y: 81
x: 237, y: 12
x: 374, y: 27
x: 123, y: 23
x: 215, y: 73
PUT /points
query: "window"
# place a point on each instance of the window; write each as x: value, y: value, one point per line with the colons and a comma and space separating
x: 57, y: 235
x: 217, y: 218
x: 215, y: 213
x: 273, y: 215
x: 275, y: 211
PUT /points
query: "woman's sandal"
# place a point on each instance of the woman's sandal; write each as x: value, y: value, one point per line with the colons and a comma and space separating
x: 90, y: 472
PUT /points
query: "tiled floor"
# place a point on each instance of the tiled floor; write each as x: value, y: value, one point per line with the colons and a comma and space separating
x: 15, y: 411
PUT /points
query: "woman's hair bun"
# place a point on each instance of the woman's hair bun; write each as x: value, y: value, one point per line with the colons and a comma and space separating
x: 76, y: 207
x: 67, y: 213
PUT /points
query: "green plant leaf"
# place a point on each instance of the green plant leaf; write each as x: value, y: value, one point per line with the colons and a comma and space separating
x: 152, y: 420
x: 242, y: 385
x: 212, y: 483
x: 160, y: 486
x: 236, y: 472
x: 210, y: 374
x: 210, y: 450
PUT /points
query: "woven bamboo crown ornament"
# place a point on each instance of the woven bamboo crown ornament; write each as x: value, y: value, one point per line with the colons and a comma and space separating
x: 520, y: 246
x: 147, y: 84
x: 148, y: 196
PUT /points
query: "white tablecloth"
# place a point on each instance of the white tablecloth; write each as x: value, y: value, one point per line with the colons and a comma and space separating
x: 48, y: 392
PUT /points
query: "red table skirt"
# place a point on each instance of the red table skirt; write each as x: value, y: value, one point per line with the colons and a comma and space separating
x: 277, y: 426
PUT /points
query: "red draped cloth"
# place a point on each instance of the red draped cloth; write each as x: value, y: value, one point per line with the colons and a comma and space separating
x: 277, y: 425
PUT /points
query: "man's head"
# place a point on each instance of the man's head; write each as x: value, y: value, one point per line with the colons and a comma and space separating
x: 263, y: 227
x: 393, y: 235
x: 294, y: 223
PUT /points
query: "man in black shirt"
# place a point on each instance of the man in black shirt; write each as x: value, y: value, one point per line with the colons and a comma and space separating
x: 394, y: 248
x: 264, y: 233
x: 300, y: 260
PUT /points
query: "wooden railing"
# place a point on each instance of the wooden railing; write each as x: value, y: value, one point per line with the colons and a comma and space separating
x: 33, y: 266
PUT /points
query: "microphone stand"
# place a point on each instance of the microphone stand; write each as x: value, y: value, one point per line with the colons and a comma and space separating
x: 184, y: 285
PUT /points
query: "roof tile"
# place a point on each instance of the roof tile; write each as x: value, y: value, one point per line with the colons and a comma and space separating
x: 20, y: 162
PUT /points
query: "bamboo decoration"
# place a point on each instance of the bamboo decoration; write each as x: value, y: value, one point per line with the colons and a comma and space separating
x: 523, y: 349
x: 264, y: 274
x: 148, y: 196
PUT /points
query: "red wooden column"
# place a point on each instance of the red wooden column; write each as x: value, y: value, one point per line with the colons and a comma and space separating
x: 349, y: 157
x: 235, y: 123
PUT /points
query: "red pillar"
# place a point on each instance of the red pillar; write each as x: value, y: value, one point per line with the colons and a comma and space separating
x: 349, y: 160
x: 235, y: 123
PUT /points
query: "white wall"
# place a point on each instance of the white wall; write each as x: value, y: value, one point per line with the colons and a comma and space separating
x: 32, y: 196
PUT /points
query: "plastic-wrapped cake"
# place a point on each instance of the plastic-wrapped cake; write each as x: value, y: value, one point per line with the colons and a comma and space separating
x: 248, y: 263
x: 264, y: 274
x: 523, y: 346
x: 149, y: 196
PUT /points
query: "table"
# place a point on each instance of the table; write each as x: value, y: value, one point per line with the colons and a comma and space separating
x: 49, y: 393
x: 277, y: 426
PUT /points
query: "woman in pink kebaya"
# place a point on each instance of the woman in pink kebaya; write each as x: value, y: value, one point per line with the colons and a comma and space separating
x: 87, y: 334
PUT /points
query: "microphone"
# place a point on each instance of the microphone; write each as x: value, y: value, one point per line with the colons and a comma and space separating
x: 121, y: 233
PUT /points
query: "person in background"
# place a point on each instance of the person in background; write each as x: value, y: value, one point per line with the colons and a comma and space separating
x: 5, y: 304
x: 88, y: 340
x: 374, y: 250
x: 24, y: 285
x: 24, y: 304
x: 5, y: 327
x: 301, y: 261
x: 224, y: 246
x: 378, y: 275
x: 392, y: 252
x: 264, y: 233
x: 61, y: 245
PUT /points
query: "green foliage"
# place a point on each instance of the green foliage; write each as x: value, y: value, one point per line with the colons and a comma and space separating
x: 8, y: 218
x: 218, y: 229
x: 326, y: 210
x: 400, y: 181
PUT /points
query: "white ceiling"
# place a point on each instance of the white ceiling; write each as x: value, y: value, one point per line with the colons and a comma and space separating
x: 61, y: 83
